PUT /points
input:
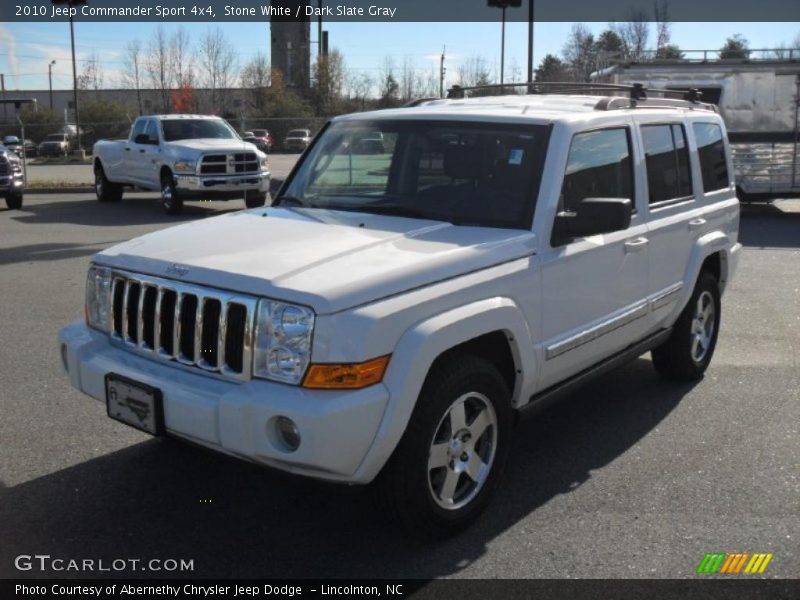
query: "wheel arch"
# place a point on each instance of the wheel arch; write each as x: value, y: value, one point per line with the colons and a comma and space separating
x: 711, y: 253
x: 476, y: 328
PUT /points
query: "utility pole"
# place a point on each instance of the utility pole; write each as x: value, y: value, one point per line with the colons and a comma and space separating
x: 319, y: 29
x: 75, y: 82
x: 442, y: 71
x: 502, y: 47
x: 3, y: 88
x: 50, y: 78
x: 530, y: 42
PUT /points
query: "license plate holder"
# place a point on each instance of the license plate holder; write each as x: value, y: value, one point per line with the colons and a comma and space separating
x: 136, y: 404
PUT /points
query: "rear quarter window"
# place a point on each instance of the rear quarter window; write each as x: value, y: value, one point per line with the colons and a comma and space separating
x: 711, y: 154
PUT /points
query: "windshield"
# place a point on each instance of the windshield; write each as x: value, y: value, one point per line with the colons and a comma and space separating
x: 298, y: 133
x: 482, y: 174
x: 260, y: 132
x: 55, y: 137
x: 195, y: 129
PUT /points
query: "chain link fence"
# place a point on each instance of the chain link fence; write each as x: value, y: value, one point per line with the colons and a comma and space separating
x: 92, y: 131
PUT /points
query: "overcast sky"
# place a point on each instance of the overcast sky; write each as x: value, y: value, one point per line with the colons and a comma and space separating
x: 27, y: 48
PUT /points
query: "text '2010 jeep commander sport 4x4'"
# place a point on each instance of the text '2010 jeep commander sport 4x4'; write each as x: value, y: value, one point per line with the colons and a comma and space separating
x: 392, y: 313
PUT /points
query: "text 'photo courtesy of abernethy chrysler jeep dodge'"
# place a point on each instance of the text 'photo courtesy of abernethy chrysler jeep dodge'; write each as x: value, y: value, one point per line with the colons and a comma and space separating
x: 399, y: 306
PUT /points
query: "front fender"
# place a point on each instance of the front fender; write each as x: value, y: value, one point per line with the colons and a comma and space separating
x: 419, y: 347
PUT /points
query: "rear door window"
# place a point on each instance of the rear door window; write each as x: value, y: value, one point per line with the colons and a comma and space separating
x: 711, y: 153
x: 667, y: 162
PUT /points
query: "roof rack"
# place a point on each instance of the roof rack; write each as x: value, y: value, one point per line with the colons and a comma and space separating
x: 636, y: 94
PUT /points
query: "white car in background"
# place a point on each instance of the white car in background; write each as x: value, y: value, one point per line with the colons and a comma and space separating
x: 185, y: 157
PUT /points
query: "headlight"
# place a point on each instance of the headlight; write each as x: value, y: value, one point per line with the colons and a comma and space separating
x: 185, y: 165
x: 283, y: 341
x: 264, y: 162
x: 98, y: 297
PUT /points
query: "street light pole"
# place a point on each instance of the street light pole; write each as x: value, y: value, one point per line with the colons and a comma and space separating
x: 75, y: 81
x: 50, y: 78
x: 502, y: 48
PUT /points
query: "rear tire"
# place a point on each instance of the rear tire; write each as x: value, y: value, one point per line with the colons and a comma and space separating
x: 170, y: 201
x: 14, y: 200
x: 450, y: 458
x: 106, y: 190
x: 685, y: 356
x: 254, y: 199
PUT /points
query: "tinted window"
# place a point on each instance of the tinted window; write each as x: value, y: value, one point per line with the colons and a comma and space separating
x: 196, y: 129
x: 599, y: 166
x: 667, y: 161
x: 711, y: 152
x: 464, y: 173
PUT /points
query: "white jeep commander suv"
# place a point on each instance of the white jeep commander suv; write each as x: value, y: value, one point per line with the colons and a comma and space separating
x: 393, y: 312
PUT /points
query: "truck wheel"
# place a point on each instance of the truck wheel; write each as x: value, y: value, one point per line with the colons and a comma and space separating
x: 14, y: 200
x: 449, y: 460
x: 685, y: 356
x: 255, y: 199
x: 106, y: 190
x: 170, y: 200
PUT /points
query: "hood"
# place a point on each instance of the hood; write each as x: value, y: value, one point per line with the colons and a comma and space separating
x: 328, y: 260
x: 206, y: 144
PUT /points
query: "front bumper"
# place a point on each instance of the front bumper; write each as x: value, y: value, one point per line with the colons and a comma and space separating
x: 337, y: 429
x: 210, y: 187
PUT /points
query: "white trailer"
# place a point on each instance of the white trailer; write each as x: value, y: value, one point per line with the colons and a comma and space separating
x: 758, y: 97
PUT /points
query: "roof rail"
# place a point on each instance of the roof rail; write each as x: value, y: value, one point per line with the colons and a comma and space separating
x: 636, y: 93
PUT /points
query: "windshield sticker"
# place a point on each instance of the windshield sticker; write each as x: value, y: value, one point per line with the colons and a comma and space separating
x: 515, y: 156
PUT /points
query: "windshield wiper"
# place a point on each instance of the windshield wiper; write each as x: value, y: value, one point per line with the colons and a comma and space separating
x: 394, y: 210
x: 289, y: 201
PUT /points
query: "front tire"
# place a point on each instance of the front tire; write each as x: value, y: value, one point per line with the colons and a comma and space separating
x: 255, y: 199
x: 106, y: 190
x: 685, y: 356
x: 14, y: 200
x: 170, y: 201
x: 455, y: 446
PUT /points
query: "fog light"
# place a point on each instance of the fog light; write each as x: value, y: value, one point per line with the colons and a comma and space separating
x: 64, y: 357
x: 287, y: 433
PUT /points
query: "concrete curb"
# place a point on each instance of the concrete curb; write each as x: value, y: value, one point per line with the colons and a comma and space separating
x: 89, y: 189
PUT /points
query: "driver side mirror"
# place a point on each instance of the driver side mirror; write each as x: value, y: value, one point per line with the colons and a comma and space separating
x: 592, y: 216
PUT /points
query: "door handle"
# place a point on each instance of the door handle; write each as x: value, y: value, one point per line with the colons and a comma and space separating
x: 636, y: 245
x: 696, y: 223
x: 141, y: 150
x: 127, y: 149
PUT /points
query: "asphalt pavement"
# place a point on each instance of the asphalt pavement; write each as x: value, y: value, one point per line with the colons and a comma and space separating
x: 630, y: 477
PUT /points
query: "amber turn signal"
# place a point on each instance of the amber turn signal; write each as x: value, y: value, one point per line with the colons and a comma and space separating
x: 346, y: 376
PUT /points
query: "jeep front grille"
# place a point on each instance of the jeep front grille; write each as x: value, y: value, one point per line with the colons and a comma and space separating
x: 5, y: 167
x: 229, y: 164
x: 194, y: 326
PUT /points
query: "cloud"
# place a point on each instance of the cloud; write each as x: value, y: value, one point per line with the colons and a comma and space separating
x: 9, y: 43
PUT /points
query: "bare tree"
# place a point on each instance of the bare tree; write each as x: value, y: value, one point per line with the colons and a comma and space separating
x: 580, y: 52
x: 329, y: 77
x: 663, y: 26
x: 634, y: 34
x: 157, y: 62
x: 132, y: 69
x: 91, y: 77
x: 218, y: 64
x: 359, y: 88
x: 256, y: 77
x: 473, y: 71
x: 180, y: 63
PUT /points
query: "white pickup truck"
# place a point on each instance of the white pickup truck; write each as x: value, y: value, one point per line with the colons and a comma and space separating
x: 185, y: 157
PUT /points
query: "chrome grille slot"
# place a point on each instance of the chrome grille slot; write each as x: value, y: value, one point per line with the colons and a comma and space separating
x: 5, y: 167
x: 132, y: 311
x: 187, y: 322
x: 182, y: 323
